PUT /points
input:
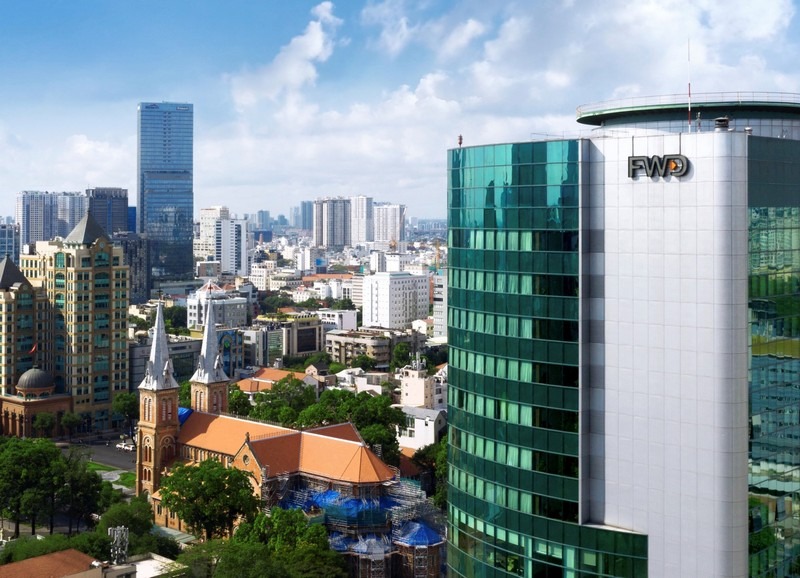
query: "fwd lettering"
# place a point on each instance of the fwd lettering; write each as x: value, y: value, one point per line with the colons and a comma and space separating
x: 666, y: 166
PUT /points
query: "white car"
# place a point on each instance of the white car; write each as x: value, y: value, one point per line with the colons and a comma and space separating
x: 125, y: 447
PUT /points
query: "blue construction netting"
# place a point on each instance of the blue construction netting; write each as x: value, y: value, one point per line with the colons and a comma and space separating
x: 340, y: 542
x: 418, y: 534
x: 184, y: 413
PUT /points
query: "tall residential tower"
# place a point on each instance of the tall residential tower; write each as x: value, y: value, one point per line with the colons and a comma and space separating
x: 624, y: 330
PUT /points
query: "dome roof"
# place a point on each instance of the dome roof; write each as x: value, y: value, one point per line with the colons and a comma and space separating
x: 35, y: 379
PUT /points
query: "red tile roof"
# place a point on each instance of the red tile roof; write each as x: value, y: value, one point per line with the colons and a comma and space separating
x: 334, y: 452
x: 223, y: 434
x: 55, y: 565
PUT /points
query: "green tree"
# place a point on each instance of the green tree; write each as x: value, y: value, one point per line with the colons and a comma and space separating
x: 209, y: 497
x: 94, y: 544
x: 317, y: 358
x: 302, y: 549
x: 365, y: 362
x: 126, y: 404
x: 373, y: 416
x: 175, y: 319
x: 136, y: 515
x: 335, y: 368
x: 185, y: 394
x: 81, y: 493
x: 433, y: 460
x: 30, y: 547
x: 345, y: 303
x: 69, y: 421
x: 230, y: 559
x: 25, y: 478
x: 274, y: 300
x: 44, y: 423
x: 238, y: 402
x: 284, y: 402
x: 383, y: 441
x: 401, y: 356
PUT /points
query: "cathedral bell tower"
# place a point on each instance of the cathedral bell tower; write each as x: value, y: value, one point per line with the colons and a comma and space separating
x: 209, y: 382
x: 158, y: 412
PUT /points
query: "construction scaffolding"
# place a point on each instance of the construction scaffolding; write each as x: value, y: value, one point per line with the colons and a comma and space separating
x: 390, y: 524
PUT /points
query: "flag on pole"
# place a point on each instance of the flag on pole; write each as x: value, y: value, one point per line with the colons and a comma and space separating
x: 33, y: 349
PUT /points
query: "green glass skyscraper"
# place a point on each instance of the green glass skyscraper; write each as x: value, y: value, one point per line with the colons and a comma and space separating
x: 624, y: 324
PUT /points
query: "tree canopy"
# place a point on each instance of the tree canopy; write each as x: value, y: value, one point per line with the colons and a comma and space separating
x: 126, y: 404
x: 209, y: 497
x: 284, y: 402
x: 373, y: 416
x: 238, y: 402
x: 401, y: 355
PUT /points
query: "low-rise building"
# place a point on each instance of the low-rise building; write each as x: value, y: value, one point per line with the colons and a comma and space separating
x: 423, y: 427
x: 345, y: 346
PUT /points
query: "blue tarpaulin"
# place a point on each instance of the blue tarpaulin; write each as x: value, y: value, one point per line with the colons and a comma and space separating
x: 418, y: 534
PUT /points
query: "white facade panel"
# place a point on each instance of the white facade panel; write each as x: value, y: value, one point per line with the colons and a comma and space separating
x: 670, y: 456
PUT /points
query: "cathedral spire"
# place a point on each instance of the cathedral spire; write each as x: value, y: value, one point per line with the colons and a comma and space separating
x: 209, y: 366
x: 159, y: 372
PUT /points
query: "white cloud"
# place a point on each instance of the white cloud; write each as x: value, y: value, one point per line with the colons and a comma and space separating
x: 389, y: 16
x: 294, y: 67
x: 454, y: 44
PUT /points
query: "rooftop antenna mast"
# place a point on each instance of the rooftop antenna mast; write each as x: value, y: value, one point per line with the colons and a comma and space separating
x: 689, y: 77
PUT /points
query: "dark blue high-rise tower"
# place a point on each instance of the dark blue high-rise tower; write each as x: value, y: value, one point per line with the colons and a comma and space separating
x: 165, y: 191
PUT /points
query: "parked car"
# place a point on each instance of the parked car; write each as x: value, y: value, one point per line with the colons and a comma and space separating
x: 125, y: 447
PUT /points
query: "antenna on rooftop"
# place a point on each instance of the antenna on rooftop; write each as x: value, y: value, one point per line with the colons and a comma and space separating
x: 689, y: 77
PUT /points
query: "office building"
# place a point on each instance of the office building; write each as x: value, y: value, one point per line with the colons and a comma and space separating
x: 110, y: 208
x: 362, y: 224
x: 332, y: 223
x: 9, y: 241
x: 81, y: 323
x: 623, y: 332
x: 136, y: 249
x: 165, y: 189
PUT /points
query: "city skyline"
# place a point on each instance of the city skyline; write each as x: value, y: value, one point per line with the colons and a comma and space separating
x: 304, y: 100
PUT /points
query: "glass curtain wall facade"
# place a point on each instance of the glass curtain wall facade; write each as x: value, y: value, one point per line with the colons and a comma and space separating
x: 165, y: 196
x: 513, y: 318
x: 774, y: 308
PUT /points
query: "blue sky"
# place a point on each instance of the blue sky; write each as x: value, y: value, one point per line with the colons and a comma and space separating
x: 295, y: 100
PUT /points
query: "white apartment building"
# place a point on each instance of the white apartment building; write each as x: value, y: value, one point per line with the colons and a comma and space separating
x: 260, y: 274
x: 394, y: 300
x: 205, y: 244
x: 332, y: 319
x: 390, y: 222
x: 362, y: 225
x: 423, y: 427
x: 232, y: 245
x: 332, y: 222
x: 440, y: 303
x: 229, y: 311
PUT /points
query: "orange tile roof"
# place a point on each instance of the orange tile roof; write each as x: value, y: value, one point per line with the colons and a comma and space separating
x: 272, y: 374
x: 281, y: 454
x: 408, y: 469
x: 263, y: 379
x: 341, y: 460
x: 344, y: 431
x: 335, y: 452
x: 222, y: 433
x: 324, y: 276
x: 55, y: 565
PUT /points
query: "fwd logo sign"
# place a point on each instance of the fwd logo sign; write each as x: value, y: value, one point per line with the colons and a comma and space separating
x: 656, y: 166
